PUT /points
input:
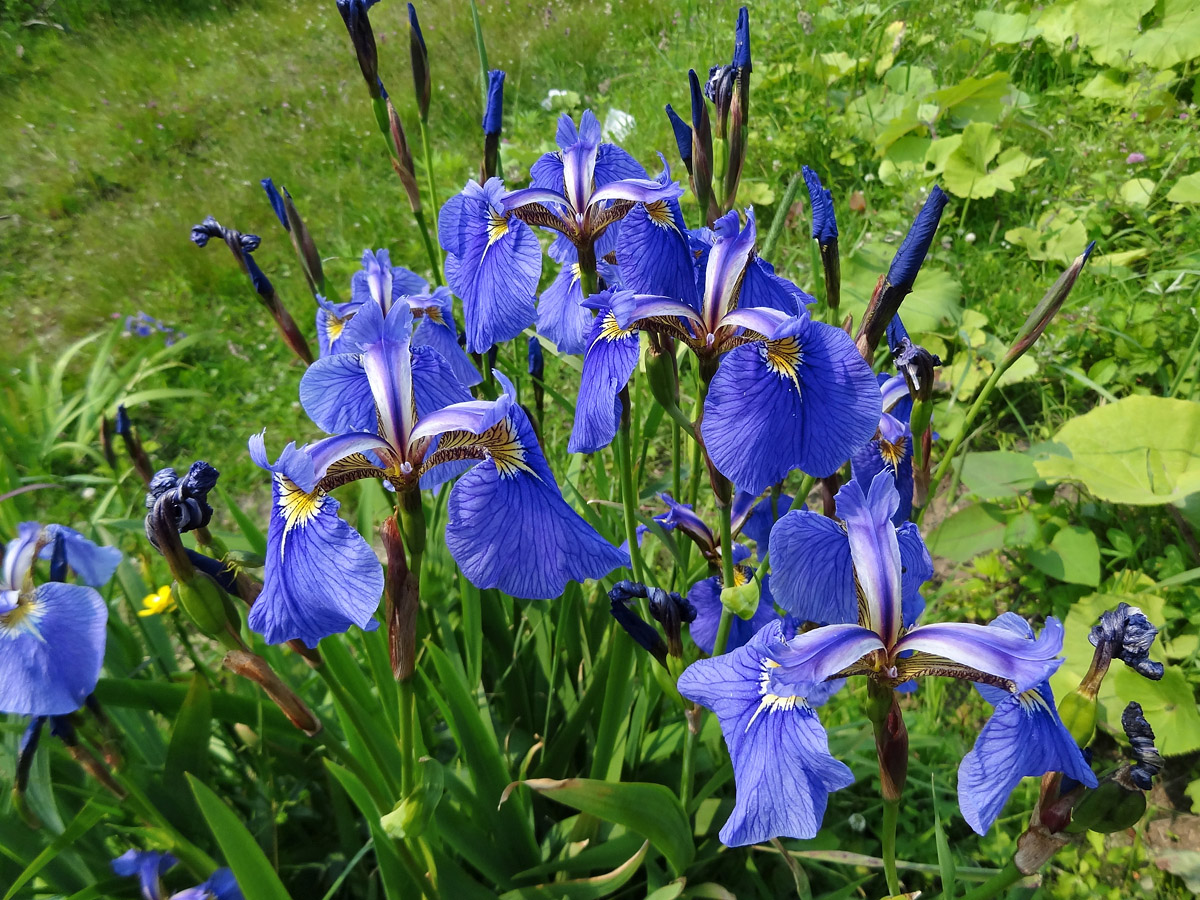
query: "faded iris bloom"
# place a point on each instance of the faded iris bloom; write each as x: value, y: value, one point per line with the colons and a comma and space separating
x: 858, y: 577
x: 383, y: 284
x: 52, y: 634
x: 148, y: 866
x: 493, y: 257
x: 786, y: 392
x: 396, y: 412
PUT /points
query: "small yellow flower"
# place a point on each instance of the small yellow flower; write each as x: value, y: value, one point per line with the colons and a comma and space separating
x: 159, y: 602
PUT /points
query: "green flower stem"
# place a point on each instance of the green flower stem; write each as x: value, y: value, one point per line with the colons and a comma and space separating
x: 789, y: 196
x: 629, y: 499
x: 433, y: 196
x: 806, y: 486
x: 891, y: 813
x: 408, y: 748
x: 435, y: 258
x: 676, y: 460
x: 726, y: 622
x: 995, y: 885
x: 686, y: 770
x: 948, y: 457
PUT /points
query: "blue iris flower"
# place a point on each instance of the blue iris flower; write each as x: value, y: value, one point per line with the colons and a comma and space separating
x: 788, y: 392
x: 493, y: 259
x: 858, y: 577
x: 52, y: 634
x: 891, y: 449
x: 383, y: 284
x: 148, y: 866
x: 396, y: 412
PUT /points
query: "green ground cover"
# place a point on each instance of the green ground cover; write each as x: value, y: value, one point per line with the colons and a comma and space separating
x: 1049, y: 128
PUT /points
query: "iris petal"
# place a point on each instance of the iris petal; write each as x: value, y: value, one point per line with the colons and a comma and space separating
x: 493, y: 264
x: 51, y: 650
x: 509, y: 527
x: 783, y: 770
x: 812, y: 570
x: 611, y: 357
x: 654, y: 255
x: 560, y: 314
x: 807, y: 402
x: 998, y: 652
x: 92, y: 564
x: 1024, y: 737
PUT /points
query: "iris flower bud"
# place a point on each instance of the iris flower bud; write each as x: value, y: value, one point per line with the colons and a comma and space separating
x: 702, y: 151
x: 133, y: 446
x: 402, y: 162
x: 891, y: 740
x: 420, y: 63
x: 537, y: 371
x: 493, y: 115
x: 825, y: 233
x: 1048, y: 307
x: 302, y: 242
x: 901, y: 275
x: 683, y: 137
x: 354, y: 14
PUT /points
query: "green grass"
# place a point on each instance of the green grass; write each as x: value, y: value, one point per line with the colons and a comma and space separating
x: 123, y: 132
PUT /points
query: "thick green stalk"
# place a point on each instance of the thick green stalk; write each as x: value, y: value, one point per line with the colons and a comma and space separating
x: 727, y: 578
x: 676, y: 461
x: 806, y: 486
x: 408, y: 713
x: 686, y: 770
x: 995, y: 885
x: 891, y: 813
x: 433, y: 196
x: 789, y: 195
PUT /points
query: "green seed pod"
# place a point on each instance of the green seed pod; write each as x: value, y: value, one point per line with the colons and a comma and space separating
x: 1078, y: 713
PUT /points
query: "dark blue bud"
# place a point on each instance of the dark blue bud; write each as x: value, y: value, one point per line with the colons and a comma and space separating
x: 537, y: 359
x: 698, y: 109
x: 420, y: 63
x: 908, y: 259
x: 58, y: 560
x: 824, y: 224
x: 1141, y: 739
x: 719, y: 87
x: 276, y: 202
x: 683, y: 136
x: 26, y: 751
x: 741, y: 41
x: 491, y: 357
x: 122, y: 425
x: 63, y: 728
x: 262, y: 284
x: 1129, y: 635
x: 494, y: 112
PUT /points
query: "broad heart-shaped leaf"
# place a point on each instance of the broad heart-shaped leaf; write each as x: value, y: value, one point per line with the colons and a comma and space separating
x: 973, y: 92
x: 584, y: 888
x: 998, y: 474
x: 1109, y: 28
x: 1007, y: 28
x: 966, y: 172
x: 1174, y: 39
x: 1136, y: 191
x: 253, y: 872
x: 1169, y: 704
x: 1139, y: 450
x: 975, y: 529
x: 652, y: 810
x: 1186, y: 189
x: 1073, y: 556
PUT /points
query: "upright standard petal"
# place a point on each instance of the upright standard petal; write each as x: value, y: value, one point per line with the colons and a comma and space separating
x: 321, y: 577
x: 92, y: 564
x: 762, y: 288
x: 804, y: 401
x: 493, y: 264
x: 611, y: 357
x: 508, y: 525
x: 436, y: 329
x: 812, y: 573
x: 1024, y: 737
x: 916, y: 568
x: 51, y: 650
x: 561, y: 315
x: 876, y: 552
x: 653, y: 252
x: 782, y: 767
